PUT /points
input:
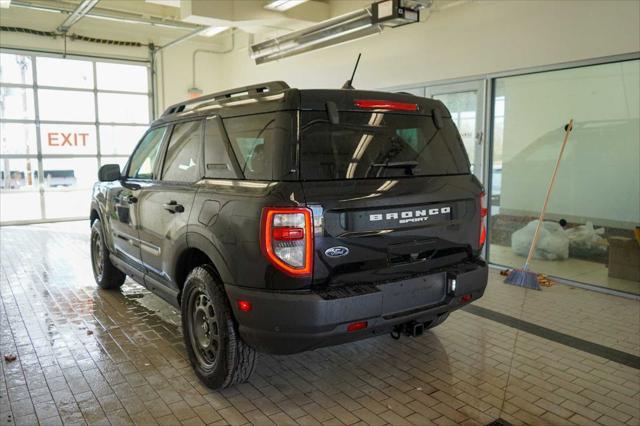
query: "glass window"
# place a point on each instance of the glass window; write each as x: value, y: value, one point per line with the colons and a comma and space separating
x: 16, y: 103
x: 119, y: 108
x: 182, y: 162
x: 119, y: 140
x: 217, y: 161
x: 364, y: 145
x: 595, y: 203
x: 462, y: 106
x: 263, y: 145
x: 67, y: 183
x: 122, y: 77
x: 121, y: 161
x: 18, y: 174
x: 69, y: 173
x: 144, y: 158
x: 64, y: 72
x: 18, y: 138
x: 66, y: 105
x: 15, y: 69
x: 68, y: 139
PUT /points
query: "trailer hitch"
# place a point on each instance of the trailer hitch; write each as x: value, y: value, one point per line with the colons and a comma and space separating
x: 410, y: 329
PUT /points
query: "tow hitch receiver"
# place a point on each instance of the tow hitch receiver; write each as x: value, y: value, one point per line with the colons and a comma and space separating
x: 411, y: 329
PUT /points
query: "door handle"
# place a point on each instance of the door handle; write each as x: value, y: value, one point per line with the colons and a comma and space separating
x: 173, y: 207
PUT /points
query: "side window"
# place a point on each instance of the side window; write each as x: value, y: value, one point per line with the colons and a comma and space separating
x: 216, y: 158
x: 145, y: 156
x: 264, y: 145
x: 182, y: 162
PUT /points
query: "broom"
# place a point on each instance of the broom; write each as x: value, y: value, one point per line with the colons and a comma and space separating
x: 524, y: 277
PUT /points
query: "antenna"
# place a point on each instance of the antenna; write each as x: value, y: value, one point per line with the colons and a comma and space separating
x: 348, y: 84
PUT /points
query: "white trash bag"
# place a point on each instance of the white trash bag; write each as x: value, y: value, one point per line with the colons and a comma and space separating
x: 587, y: 239
x: 553, y: 243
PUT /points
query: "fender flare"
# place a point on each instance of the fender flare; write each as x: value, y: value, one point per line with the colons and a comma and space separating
x: 200, y: 242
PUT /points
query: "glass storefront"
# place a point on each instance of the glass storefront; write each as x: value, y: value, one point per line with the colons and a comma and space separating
x: 588, y: 234
x: 59, y: 120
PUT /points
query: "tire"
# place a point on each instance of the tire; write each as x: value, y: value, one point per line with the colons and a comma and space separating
x: 106, y: 275
x: 436, y: 322
x: 217, y: 354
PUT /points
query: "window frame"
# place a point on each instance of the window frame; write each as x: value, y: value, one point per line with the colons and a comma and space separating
x: 224, y: 136
x: 165, y: 150
x: 125, y: 172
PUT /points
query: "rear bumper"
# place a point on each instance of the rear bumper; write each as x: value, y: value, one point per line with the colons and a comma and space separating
x: 291, y: 322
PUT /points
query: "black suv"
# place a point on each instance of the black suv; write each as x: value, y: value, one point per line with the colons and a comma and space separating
x: 282, y: 220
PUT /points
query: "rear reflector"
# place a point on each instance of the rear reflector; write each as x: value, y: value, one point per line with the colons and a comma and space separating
x: 355, y: 326
x: 287, y: 239
x: 388, y: 105
x: 244, y: 305
x: 466, y: 298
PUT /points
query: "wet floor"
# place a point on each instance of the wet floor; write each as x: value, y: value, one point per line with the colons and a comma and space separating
x: 90, y: 356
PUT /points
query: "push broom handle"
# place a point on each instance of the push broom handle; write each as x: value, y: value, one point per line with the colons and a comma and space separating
x: 536, y: 234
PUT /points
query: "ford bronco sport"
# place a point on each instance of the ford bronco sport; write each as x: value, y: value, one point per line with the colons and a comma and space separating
x: 282, y: 220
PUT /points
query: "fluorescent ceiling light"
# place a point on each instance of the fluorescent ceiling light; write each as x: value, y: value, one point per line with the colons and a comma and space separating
x: 282, y: 5
x: 211, y: 31
x: 5, y: 3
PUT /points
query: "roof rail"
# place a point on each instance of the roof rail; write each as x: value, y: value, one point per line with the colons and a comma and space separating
x: 253, y: 91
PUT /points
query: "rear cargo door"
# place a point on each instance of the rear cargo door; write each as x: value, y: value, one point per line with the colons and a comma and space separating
x: 392, y: 196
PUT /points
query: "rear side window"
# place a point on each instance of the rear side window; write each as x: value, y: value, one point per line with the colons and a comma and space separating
x: 144, y: 158
x: 217, y: 163
x: 182, y: 162
x: 368, y: 145
x: 264, y: 145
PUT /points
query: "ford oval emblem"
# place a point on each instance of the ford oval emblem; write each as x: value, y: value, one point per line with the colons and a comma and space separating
x: 336, y: 251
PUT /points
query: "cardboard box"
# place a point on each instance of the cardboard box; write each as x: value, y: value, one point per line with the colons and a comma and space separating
x: 624, y: 258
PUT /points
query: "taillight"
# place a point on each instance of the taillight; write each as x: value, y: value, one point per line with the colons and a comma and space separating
x: 287, y: 239
x: 483, y: 215
x: 388, y: 105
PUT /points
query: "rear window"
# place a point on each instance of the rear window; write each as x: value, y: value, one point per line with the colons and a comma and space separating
x: 264, y: 145
x: 373, y: 145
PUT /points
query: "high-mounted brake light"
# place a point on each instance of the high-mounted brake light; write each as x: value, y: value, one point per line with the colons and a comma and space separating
x: 287, y: 239
x: 483, y: 215
x: 388, y: 105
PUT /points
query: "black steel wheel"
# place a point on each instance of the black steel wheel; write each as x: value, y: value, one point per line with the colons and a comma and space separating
x: 217, y: 354
x: 205, y: 334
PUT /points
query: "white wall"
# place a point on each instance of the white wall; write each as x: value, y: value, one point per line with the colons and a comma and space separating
x: 470, y: 39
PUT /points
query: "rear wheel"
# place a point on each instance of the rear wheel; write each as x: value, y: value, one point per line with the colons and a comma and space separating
x: 217, y: 353
x: 106, y: 275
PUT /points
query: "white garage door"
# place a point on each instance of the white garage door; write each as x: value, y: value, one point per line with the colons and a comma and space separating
x: 60, y: 119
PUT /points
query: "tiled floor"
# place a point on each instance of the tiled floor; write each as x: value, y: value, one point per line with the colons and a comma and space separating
x: 90, y: 356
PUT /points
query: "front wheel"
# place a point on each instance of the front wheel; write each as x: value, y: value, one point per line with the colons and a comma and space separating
x: 106, y: 275
x: 218, y: 355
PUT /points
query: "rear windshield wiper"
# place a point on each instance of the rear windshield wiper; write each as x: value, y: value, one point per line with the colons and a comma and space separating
x: 396, y: 164
x: 408, y: 166
x: 359, y: 127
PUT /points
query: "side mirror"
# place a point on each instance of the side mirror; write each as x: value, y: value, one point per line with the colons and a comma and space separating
x: 109, y: 173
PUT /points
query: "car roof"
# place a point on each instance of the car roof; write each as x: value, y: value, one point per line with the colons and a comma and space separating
x: 278, y: 96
